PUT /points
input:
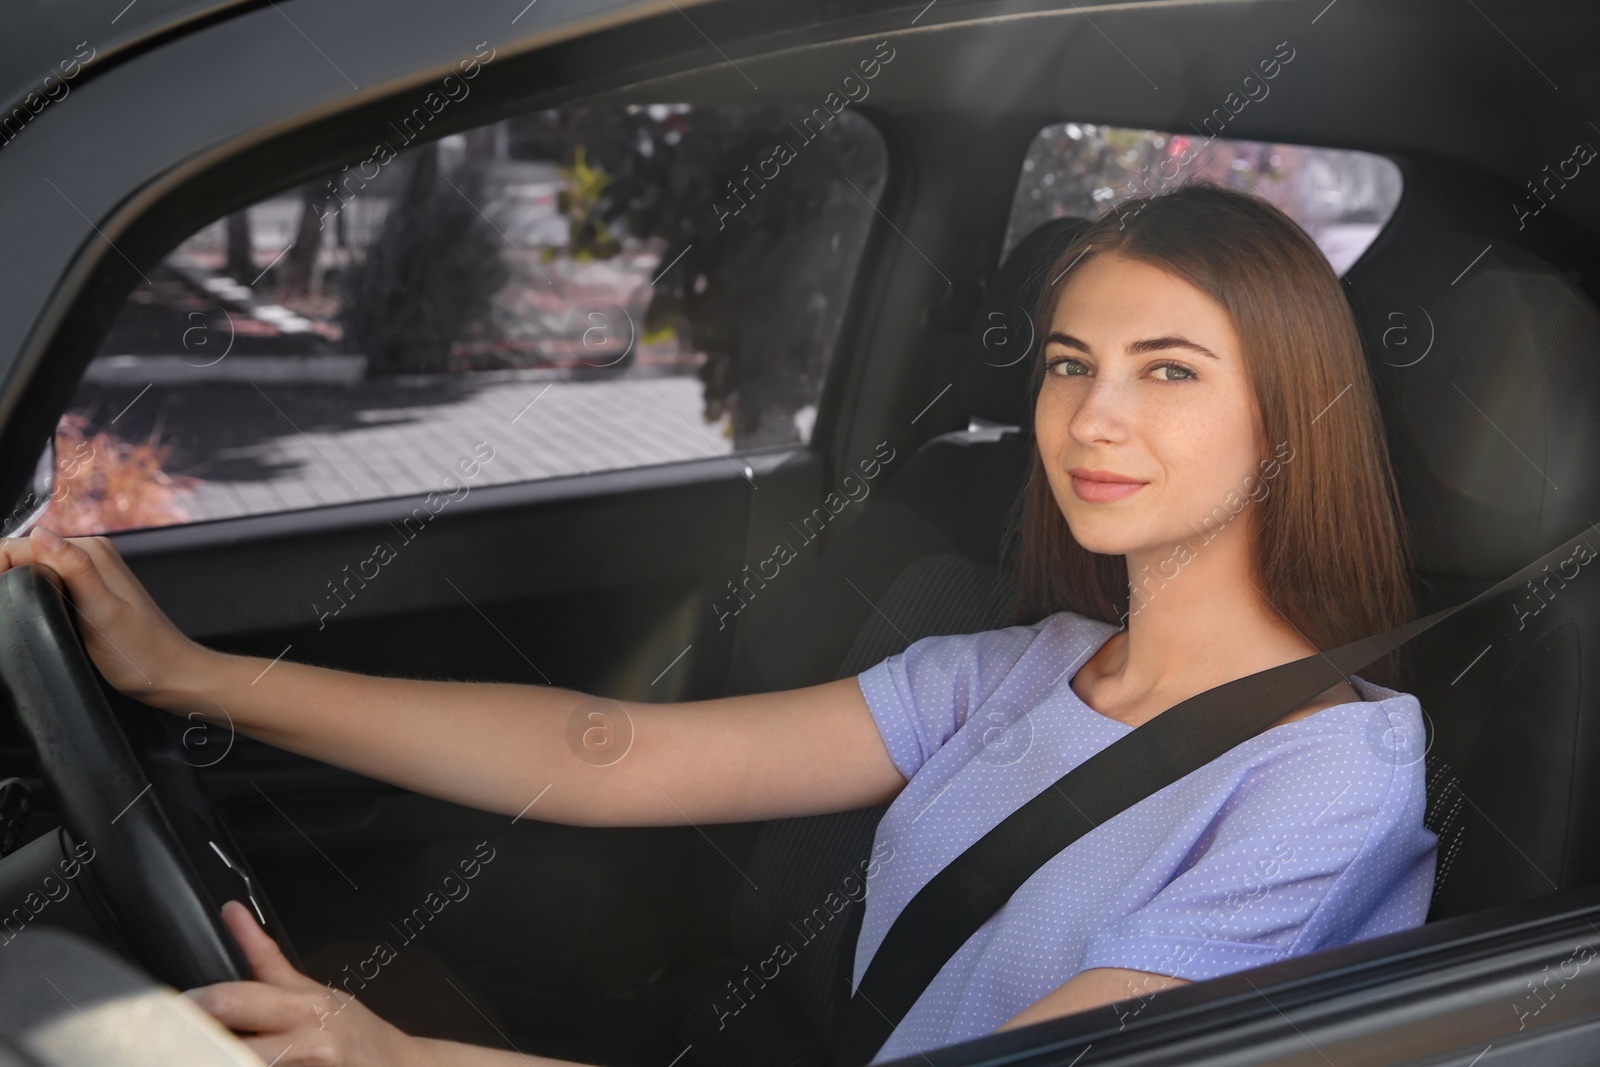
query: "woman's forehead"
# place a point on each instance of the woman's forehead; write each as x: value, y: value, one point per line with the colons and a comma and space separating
x: 1121, y: 300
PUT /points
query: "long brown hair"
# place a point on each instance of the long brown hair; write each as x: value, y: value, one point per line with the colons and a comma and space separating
x: 1331, y: 550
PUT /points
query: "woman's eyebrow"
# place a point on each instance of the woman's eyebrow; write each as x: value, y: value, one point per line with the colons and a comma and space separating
x: 1154, y: 344
x: 1059, y: 338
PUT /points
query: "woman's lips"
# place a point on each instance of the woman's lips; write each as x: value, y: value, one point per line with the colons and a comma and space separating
x: 1099, y: 492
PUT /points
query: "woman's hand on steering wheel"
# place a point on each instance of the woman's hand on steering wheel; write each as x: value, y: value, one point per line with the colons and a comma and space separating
x: 131, y: 640
x: 290, y: 1020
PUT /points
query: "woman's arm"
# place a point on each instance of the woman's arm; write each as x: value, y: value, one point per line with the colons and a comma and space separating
x: 515, y: 749
x: 1092, y: 988
x: 519, y: 748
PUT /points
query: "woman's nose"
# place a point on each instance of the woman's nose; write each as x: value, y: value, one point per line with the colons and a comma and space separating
x: 1101, y: 413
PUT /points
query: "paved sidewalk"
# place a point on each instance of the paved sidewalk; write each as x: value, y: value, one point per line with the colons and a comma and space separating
x: 272, y: 446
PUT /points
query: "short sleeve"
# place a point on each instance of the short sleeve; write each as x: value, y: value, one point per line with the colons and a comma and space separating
x: 1320, y: 845
x: 920, y: 697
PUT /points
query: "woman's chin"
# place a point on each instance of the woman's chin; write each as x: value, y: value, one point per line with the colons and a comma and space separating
x: 1121, y: 536
x: 1100, y: 540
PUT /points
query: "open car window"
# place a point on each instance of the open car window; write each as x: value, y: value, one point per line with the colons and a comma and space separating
x: 556, y: 293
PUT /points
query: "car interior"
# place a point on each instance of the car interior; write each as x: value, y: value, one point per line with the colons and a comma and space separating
x: 614, y: 945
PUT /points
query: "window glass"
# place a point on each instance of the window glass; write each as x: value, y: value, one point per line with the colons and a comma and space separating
x: 1341, y: 198
x: 581, y: 289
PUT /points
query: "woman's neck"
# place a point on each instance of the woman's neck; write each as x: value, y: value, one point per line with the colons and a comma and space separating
x: 1192, y: 625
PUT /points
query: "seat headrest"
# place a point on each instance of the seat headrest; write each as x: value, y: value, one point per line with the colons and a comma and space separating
x: 993, y: 379
x: 1488, y: 386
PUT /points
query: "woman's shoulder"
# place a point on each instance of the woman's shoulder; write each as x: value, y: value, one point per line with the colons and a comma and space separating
x: 1069, y: 625
x: 1380, y: 739
x: 1062, y: 627
x: 1377, y: 708
x: 1353, y: 775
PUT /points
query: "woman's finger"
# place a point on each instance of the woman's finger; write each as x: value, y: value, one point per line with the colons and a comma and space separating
x: 113, y: 568
x: 14, y: 552
x: 261, y: 1008
x: 76, y: 567
x: 274, y: 1050
x: 267, y: 960
x: 280, y: 1051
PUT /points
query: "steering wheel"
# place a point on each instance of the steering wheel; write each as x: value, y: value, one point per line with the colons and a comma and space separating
x: 163, y: 907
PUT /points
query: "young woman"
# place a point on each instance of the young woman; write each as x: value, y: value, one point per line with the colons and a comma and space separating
x: 1210, y: 497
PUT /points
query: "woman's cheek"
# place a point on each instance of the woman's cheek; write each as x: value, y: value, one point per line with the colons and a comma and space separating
x: 1051, y: 414
x: 1067, y: 394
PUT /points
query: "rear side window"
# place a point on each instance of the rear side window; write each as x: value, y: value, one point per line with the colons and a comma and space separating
x: 1341, y: 198
x: 575, y: 290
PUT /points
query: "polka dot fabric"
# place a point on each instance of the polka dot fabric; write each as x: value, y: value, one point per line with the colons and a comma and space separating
x: 1306, y: 836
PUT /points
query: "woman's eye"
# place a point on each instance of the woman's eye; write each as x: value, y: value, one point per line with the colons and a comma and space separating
x: 1066, y: 367
x: 1178, y: 371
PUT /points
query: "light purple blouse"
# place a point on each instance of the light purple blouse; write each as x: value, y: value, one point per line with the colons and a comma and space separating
x: 1307, y: 836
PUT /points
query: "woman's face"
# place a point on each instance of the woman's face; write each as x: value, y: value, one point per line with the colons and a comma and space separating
x: 1144, y: 380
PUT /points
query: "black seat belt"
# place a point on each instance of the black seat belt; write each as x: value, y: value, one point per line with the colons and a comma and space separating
x: 950, y: 908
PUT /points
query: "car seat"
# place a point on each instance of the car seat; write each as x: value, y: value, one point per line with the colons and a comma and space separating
x: 1486, y: 380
